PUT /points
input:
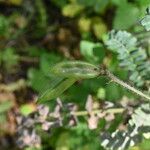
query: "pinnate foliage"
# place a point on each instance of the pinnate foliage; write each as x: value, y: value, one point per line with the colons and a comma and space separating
x: 130, y: 56
x: 135, y: 60
x: 146, y: 20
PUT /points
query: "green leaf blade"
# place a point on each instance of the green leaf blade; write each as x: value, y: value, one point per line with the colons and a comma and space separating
x: 52, y: 93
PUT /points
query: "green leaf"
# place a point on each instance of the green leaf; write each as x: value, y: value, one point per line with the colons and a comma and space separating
x: 99, y: 27
x: 126, y: 16
x: 3, y: 25
x: 86, y: 49
x: 143, y: 3
x: 113, y: 92
x: 86, y: 3
x: 92, y: 52
x: 26, y: 109
x: 41, y: 15
x: 97, y: 5
x: 46, y: 62
x: 84, y: 24
x: 100, y: 5
x: 60, y: 4
x: 118, y: 2
x: 71, y: 10
x: 38, y: 80
x: 57, y: 90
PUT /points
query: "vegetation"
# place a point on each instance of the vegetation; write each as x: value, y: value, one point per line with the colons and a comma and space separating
x: 75, y: 74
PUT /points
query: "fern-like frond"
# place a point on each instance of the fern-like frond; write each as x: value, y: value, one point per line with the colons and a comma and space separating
x: 120, y: 40
x: 131, y: 57
x: 145, y: 22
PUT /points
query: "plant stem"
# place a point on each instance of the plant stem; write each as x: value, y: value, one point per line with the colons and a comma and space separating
x: 111, y: 110
x: 125, y: 85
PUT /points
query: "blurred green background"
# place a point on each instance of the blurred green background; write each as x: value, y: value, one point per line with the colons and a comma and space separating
x: 35, y: 34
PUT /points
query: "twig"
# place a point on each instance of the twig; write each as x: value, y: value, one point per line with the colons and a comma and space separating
x: 127, y: 86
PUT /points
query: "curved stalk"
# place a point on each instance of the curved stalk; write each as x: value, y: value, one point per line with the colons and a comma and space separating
x: 125, y: 85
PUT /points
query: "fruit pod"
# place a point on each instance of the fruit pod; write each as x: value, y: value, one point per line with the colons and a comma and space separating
x: 75, y: 69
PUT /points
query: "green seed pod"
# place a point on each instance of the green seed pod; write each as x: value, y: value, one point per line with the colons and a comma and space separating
x: 75, y: 69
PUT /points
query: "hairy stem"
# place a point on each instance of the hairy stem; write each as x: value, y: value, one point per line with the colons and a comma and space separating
x: 125, y: 85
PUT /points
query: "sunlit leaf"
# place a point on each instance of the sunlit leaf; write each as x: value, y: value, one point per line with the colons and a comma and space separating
x: 126, y: 16
x: 71, y: 10
x: 57, y: 90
